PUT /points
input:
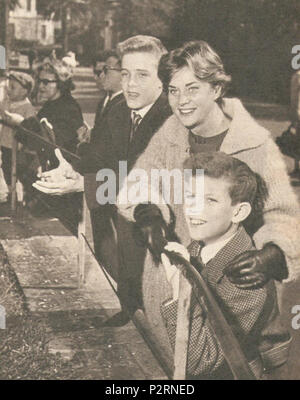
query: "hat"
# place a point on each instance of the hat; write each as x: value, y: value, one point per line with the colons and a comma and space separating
x: 63, y: 71
x: 24, y: 79
x: 69, y: 61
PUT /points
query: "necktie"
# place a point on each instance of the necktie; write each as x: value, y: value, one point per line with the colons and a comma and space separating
x: 195, y: 251
x: 136, y: 119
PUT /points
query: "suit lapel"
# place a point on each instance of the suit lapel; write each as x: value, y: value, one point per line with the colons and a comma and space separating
x: 99, y: 112
x: 240, y: 243
x: 152, y: 121
x: 119, y: 127
x: 117, y: 99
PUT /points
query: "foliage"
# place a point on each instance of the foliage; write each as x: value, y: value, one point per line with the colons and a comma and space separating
x: 253, y: 37
x: 11, y: 294
x: 49, y: 8
x: 23, y: 344
x: 24, y: 353
x: 148, y: 17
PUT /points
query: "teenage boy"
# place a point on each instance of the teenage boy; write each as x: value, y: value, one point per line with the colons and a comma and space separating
x: 125, y: 134
x: 232, y: 195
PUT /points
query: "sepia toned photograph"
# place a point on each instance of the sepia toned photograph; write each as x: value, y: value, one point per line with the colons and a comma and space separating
x: 149, y: 192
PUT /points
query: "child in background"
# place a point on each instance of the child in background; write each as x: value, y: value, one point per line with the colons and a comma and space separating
x: 19, y: 88
x: 233, y: 193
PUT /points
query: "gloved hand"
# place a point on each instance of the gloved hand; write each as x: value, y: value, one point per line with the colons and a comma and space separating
x: 151, y: 229
x: 254, y: 268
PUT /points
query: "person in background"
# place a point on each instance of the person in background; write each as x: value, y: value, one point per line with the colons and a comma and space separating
x: 62, y: 116
x: 289, y: 140
x: 295, y: 117
x: 107, y: 72
x: 20, y: 85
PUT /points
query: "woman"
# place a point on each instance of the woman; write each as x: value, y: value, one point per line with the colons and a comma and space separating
x: 59, y: 120
x: 54, y: 84
x: 203, y: 120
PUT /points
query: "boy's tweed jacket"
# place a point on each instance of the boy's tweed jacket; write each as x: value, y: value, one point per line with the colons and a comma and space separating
x: 251, y: 143
x: 252, y: 314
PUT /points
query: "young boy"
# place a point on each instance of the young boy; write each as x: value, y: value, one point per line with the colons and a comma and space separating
x: 20, y: 86
x: 233, y: 194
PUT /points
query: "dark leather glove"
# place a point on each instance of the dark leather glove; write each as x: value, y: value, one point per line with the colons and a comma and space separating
x: 254, y: 268
x: 151, y: 230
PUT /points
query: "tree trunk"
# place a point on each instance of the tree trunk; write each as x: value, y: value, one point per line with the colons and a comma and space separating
x: 65, y: 31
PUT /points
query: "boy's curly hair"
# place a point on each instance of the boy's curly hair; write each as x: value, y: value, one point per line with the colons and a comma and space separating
x: 245, y: 184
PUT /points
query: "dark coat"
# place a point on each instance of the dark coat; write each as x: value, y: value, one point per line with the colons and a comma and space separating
x: 113, y: 240
x: 110, y: 142
x: 65, y: 115
x: 105, y: 241
x: 101, y: 114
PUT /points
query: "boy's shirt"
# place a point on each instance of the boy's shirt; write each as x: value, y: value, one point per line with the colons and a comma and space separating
x: 252, y: 314
x: 22, y: 107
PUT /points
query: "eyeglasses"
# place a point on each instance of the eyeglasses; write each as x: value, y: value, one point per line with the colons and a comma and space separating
x: 46, y: 82
x: 105, y: 69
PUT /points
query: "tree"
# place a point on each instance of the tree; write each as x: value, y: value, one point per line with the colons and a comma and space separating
x: 5, y: 6
x: 72, y: 13
x: 149, y: 17
x: 254, y: 39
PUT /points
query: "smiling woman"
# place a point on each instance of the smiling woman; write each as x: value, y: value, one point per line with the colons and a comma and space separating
x: 204, y: 120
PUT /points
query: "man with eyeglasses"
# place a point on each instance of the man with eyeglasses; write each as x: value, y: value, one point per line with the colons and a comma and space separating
x: 125, y: 134
x: 107, y: 71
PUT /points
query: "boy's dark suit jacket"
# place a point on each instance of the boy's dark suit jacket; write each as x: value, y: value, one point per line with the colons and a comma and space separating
x: 101, y: 113
x: 107, y: 148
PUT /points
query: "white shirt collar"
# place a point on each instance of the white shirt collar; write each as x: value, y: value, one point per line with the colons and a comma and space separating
x: 143, y: 111
x: 209, y: 251
x: 116, y: 94
x: 107, y: 98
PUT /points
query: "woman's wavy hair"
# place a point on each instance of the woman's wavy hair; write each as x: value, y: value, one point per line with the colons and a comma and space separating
x: 201, y: 59
x: 245, y: 184
x: 65, y: 86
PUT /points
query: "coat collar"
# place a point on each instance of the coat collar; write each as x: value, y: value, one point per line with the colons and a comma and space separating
x: 157, y: 113
x: 151, y: 122
x: 240, y: 243
x: 119, y: 121
x: 244, y: 132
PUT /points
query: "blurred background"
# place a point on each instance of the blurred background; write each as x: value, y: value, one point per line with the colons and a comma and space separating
x: 254, y: 37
